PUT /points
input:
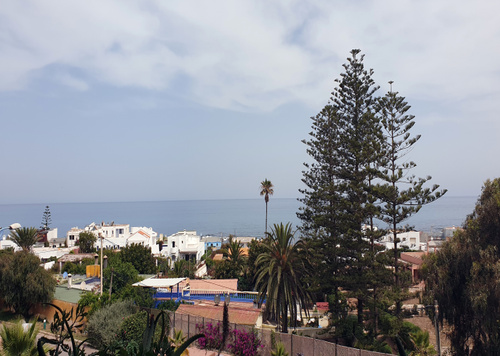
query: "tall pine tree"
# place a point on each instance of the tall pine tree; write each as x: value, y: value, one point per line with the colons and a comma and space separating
x: 345, y: 145
x: 401, y: 193
x: 46, y: 219
x: 321, y: 210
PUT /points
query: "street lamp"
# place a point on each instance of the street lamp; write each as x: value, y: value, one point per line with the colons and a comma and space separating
x: 94, y: 228
x: 11, y: 227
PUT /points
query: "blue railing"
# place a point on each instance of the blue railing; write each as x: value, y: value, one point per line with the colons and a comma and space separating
x: 187, y: 295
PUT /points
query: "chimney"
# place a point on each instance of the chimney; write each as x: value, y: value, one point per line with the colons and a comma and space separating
x: 70, y: 281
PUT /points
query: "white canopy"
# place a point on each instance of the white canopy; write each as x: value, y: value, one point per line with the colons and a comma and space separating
x: 154, y: 282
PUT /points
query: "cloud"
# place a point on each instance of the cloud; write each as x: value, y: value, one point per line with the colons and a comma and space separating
x: 72, y: 82
x: 254, y: 55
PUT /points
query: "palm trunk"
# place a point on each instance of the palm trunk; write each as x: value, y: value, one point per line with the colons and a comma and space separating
x: 266, y: 222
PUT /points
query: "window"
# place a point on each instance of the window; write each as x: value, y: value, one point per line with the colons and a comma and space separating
x: 173, y: 244
x: 71, y: 237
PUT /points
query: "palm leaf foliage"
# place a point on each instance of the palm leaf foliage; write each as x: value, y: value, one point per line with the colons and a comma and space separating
x: 16, y: 341
x: 281, y: 271
x: 25, y: 237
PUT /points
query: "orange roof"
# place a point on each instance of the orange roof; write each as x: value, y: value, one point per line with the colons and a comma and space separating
x: 218, y: 257
x: 322, y: 306
x: 211, y: 284
x: 238, y: 315
x: 413, y: 257
x: 143, y: 233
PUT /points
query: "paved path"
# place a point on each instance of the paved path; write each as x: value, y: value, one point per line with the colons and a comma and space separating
x: 193, y: 351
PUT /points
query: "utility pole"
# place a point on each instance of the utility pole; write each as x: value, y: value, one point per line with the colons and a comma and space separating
x: 111, y: 284
x: 100, y: 237
x: 436, y: 314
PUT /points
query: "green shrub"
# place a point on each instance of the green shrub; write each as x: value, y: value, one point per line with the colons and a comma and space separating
x: 169, y: 304
x: 105, y: 324
x: 133, y: 327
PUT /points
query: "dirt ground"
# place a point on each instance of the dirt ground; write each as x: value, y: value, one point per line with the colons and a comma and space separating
x: 424, y: 323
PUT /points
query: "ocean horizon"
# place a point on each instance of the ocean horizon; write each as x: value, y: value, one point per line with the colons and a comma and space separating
x: 239, y: 217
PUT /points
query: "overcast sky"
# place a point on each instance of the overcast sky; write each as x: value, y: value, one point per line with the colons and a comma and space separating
x: 167, y: 100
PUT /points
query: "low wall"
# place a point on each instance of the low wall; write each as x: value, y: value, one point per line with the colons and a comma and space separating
x: 48, y: 311
x: 294, y: 344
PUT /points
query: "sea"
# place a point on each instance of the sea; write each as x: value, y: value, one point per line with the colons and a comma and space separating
x: 239, y: 217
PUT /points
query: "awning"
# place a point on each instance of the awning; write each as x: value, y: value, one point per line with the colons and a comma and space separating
x: 158, y: 282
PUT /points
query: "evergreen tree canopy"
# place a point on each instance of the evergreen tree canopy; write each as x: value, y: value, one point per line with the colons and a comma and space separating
x: 86, y: 241
x: 140, y: 257
x: 46, y: 219
x: 346, y: 149
x: 356, y: 176
x: 24, y: 283
x: 401, y: 194
x: 464, y: 277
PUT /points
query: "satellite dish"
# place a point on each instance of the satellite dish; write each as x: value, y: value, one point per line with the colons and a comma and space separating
x: 65, y: 275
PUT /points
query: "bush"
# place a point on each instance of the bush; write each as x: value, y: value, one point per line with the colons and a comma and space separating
x: 133, y: 327
x: 94, y: 301
x: 169, y: 304
x: 213, y: 336
x: 105, y: 324
x: 245, y: 343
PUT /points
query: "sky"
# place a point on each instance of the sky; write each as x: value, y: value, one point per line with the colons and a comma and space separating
x: 118, y: 100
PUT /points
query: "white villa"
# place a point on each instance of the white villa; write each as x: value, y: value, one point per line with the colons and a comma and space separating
x: 414, y: 240
x: 116, y: 236
x: 183, y: 245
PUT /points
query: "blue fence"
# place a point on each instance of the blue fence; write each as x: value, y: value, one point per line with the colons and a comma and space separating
x: 192, y: 295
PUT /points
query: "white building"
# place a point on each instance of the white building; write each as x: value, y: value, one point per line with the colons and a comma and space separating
x: 183, y: 245
x: 244, y: 241
x: 116, y: 236
x: 409, y: 239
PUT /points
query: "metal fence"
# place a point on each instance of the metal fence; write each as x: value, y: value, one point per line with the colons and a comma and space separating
x: 294, y: 344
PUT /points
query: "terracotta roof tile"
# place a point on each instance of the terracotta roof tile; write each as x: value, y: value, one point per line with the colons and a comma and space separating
x: 413, y: 257
x: 212, y: 284
x: 238, y: 315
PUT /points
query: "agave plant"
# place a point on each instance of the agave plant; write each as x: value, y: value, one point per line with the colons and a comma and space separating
x: 279, y: 350
x: 150, y: 347
x: 63, y: 327
x: 177, y: 340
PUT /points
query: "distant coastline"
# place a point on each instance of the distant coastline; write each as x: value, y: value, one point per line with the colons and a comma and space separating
x: 240, y: 217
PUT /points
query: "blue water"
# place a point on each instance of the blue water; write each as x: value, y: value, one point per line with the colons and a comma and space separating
x: 240, y: 217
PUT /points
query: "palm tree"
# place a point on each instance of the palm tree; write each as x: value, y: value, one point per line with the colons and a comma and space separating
x: 25, y: 237
x: 234, y: 252
x: 18, y: 342
x: 266, y: 189
x: 280, y: 270
x: 422, y: 345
